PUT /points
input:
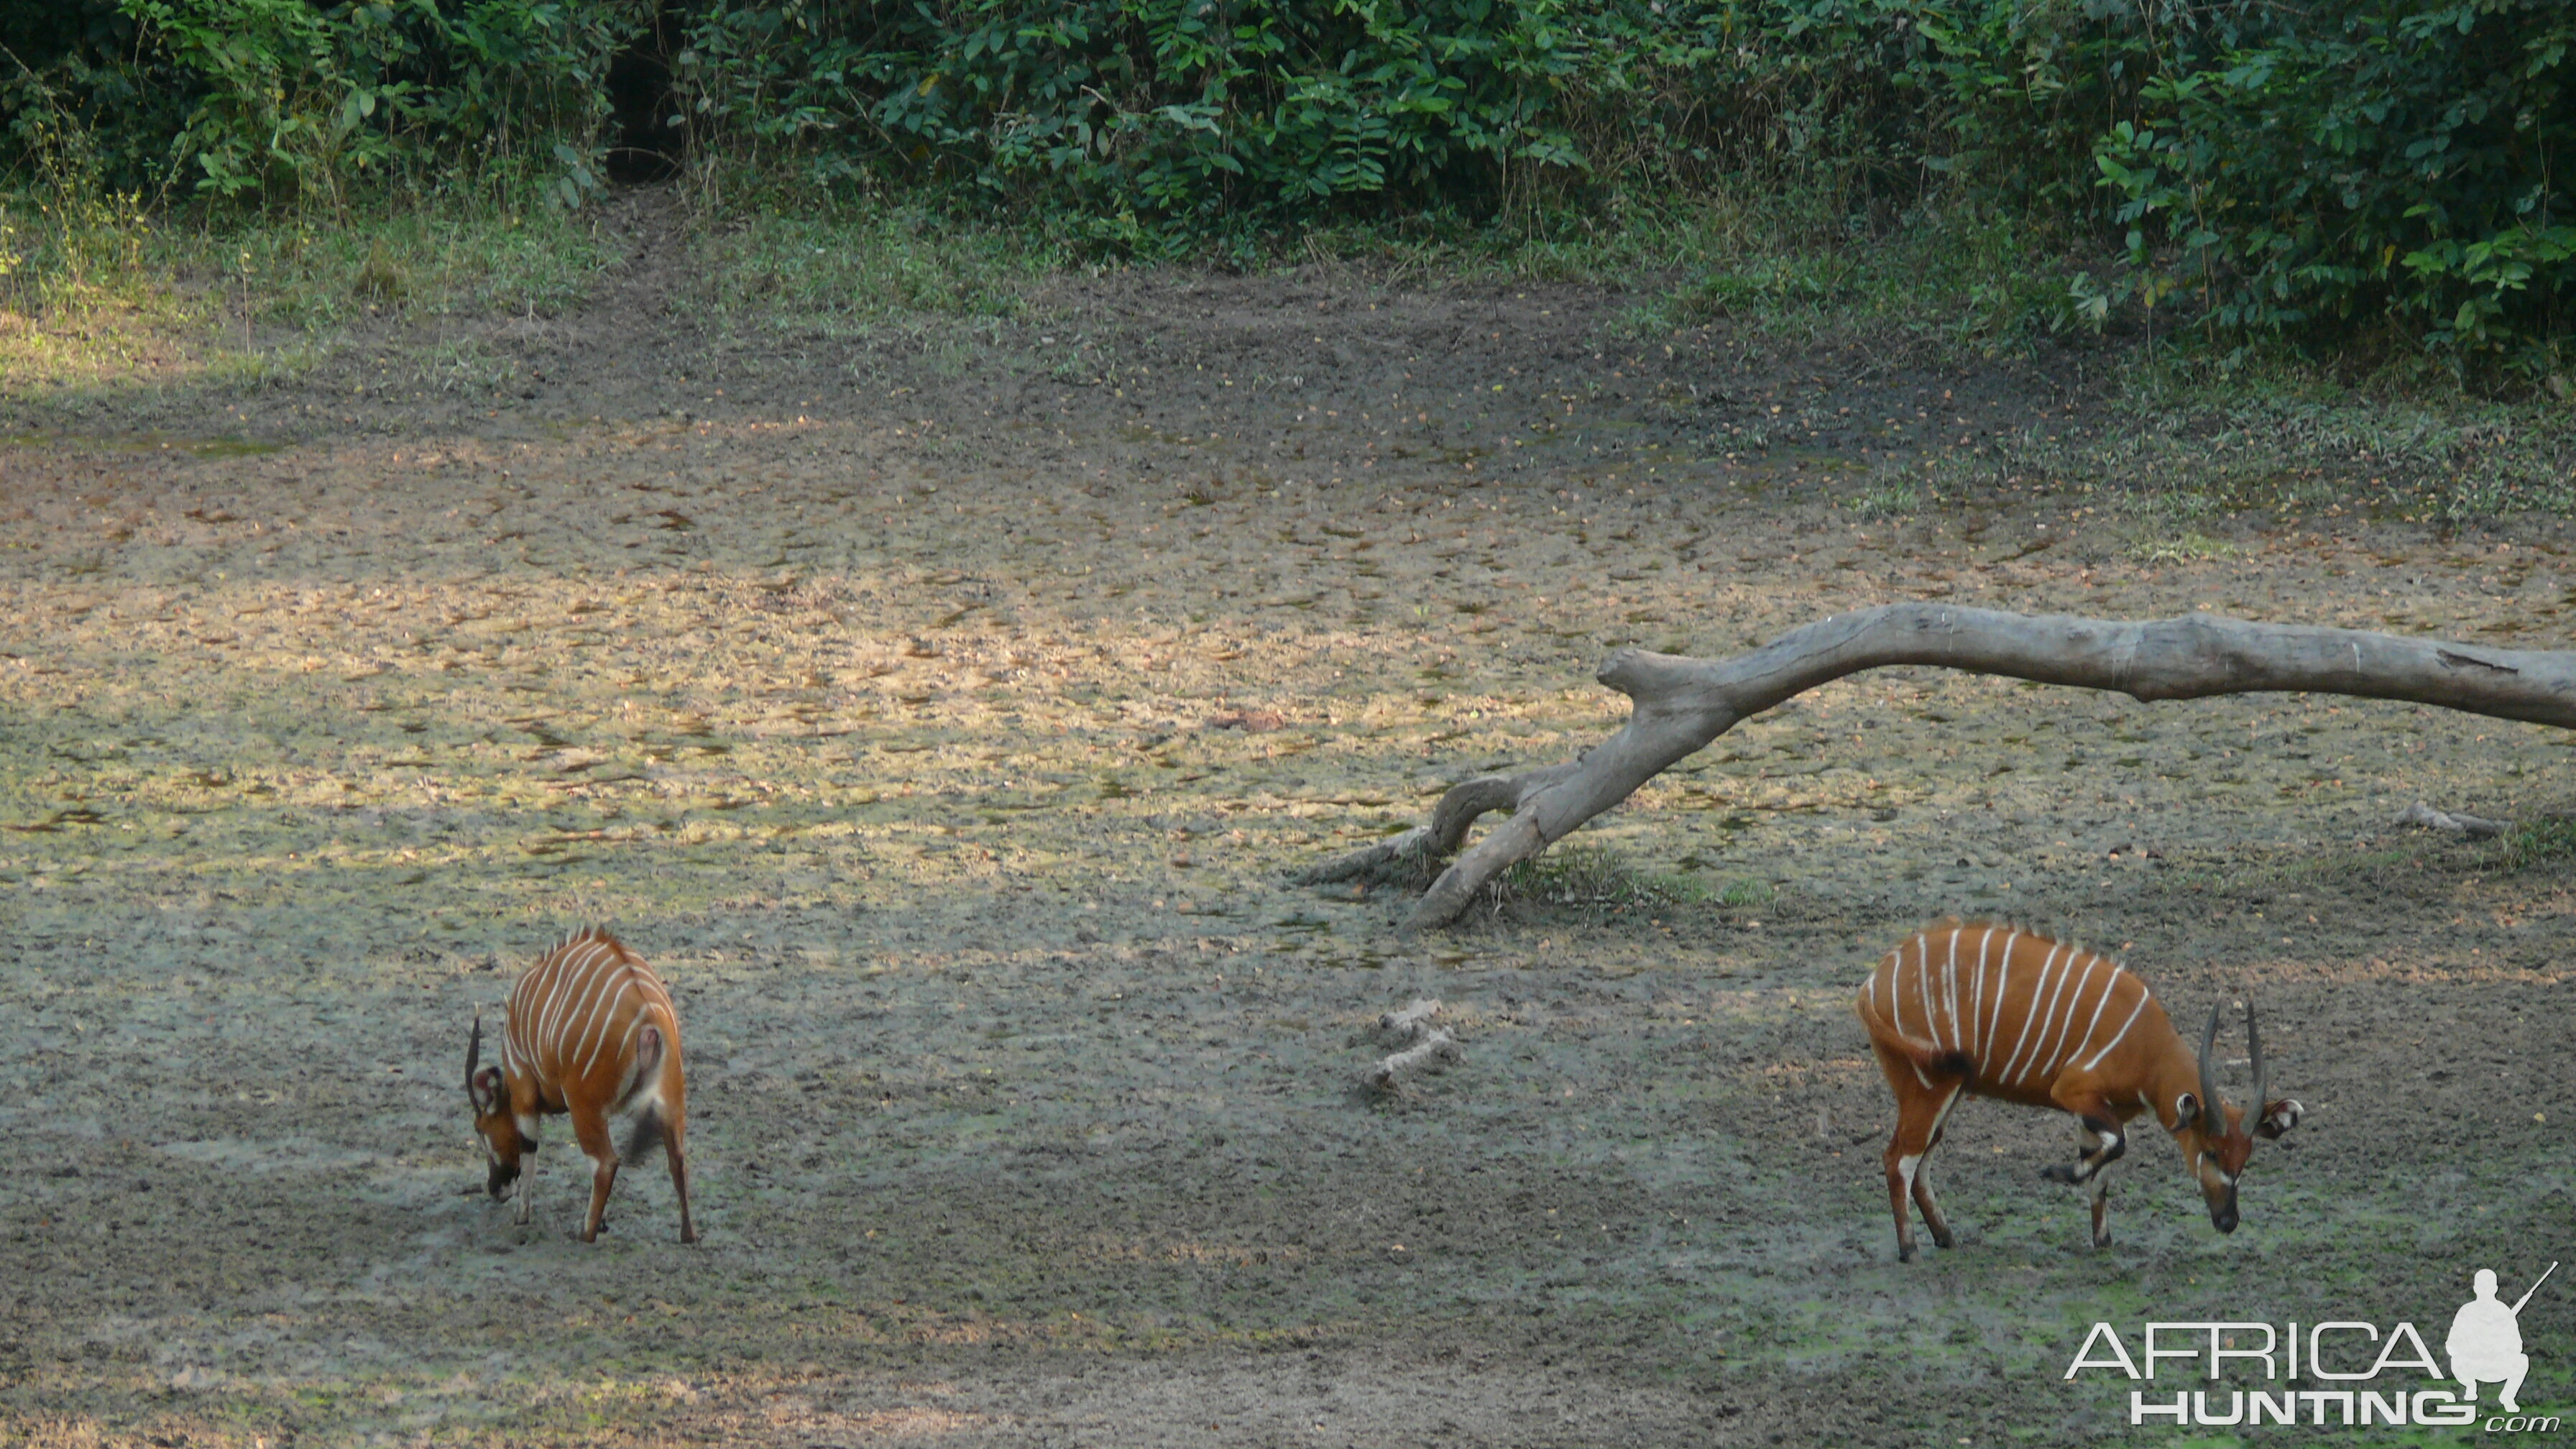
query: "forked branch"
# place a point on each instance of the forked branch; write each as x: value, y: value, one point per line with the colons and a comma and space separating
x: 1682, y: 704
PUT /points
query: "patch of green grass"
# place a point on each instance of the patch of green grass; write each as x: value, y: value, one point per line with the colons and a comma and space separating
x: 468, y: 365
x: 100, y: 290
x: 442, y: 256
x: 807, y: 258
x: 2295, y: 439
x: 1894, y: 499
x: 1590, y: 879
x: 1946, y: 282
x: 1747, y: 894
x: 2180, y: 458
x: 2547, y: 840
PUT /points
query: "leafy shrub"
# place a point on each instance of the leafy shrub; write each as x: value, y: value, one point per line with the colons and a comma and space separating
x: 291, y: 101
x: 2300, y: 165
x: 2250, y: 165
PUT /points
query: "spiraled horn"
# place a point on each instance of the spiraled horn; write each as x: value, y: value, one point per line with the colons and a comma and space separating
x: 473, y: 1059
x: 2254, y: 1051
x: 2213, y: 1118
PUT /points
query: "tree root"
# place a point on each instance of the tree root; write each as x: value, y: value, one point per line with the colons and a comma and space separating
x: 1409, y: 861
x: 1682, y: 704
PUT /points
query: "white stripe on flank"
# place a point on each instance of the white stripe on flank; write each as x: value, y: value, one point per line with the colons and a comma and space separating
x: 2110, y: 986
x: 581, y: 1017
x: 590, y: 1025
x: 2030, y: 1015
x: 2116, y: 1036
x: 1977, y: 999
x: 595, y: 963
x: 2044, y: 1057
x: 541, y: 1022
x: 1923, y: 978
x: 2048, y: 1058
x: 2064, y: 990
x: 579, y: 1005
x: 2003, y: 990
x: 527, y: 1018
x: 1950, y: 991
x: 608, y: 1017
x: 1896, y: 990
x: 579, y: 995
x: 613, y: 1021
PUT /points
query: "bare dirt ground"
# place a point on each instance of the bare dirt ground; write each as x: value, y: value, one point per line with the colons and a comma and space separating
x: 941, y: 710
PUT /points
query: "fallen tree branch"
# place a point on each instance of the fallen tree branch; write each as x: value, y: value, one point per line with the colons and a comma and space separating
x: 1432, y: 1047
x: 2471, y: 826
x: 1682, y: 704
x: 1410, y: 859
x: 1437, y: 1048
x: 1408, y: 1022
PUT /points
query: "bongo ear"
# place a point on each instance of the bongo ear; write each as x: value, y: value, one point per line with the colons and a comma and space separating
x: 2279, y: 1117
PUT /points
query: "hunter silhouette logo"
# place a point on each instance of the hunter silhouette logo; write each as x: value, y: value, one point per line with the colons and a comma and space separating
x: 2333, y: 1373
x: 2485, y: 1345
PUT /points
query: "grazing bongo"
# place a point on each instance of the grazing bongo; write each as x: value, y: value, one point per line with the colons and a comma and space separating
x: 1993, y: 1010
x: 591, y: 1032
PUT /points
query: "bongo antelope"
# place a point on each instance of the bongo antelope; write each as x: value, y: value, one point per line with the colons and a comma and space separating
x: 590, y: 1032
x: 1996, y: 1011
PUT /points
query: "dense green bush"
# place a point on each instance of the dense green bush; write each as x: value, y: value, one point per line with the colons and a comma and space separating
x: 2246, y: 165
x: 2346, y: 159
x: 287, y: 101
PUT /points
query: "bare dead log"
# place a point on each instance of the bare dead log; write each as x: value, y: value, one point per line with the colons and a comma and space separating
x: 1437, y: 1048
x: 1432, y: 1047
x: 2472, y: 826
x: 1412, y: 858
x: 1408, y: 1022
x: 1682, y: 704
